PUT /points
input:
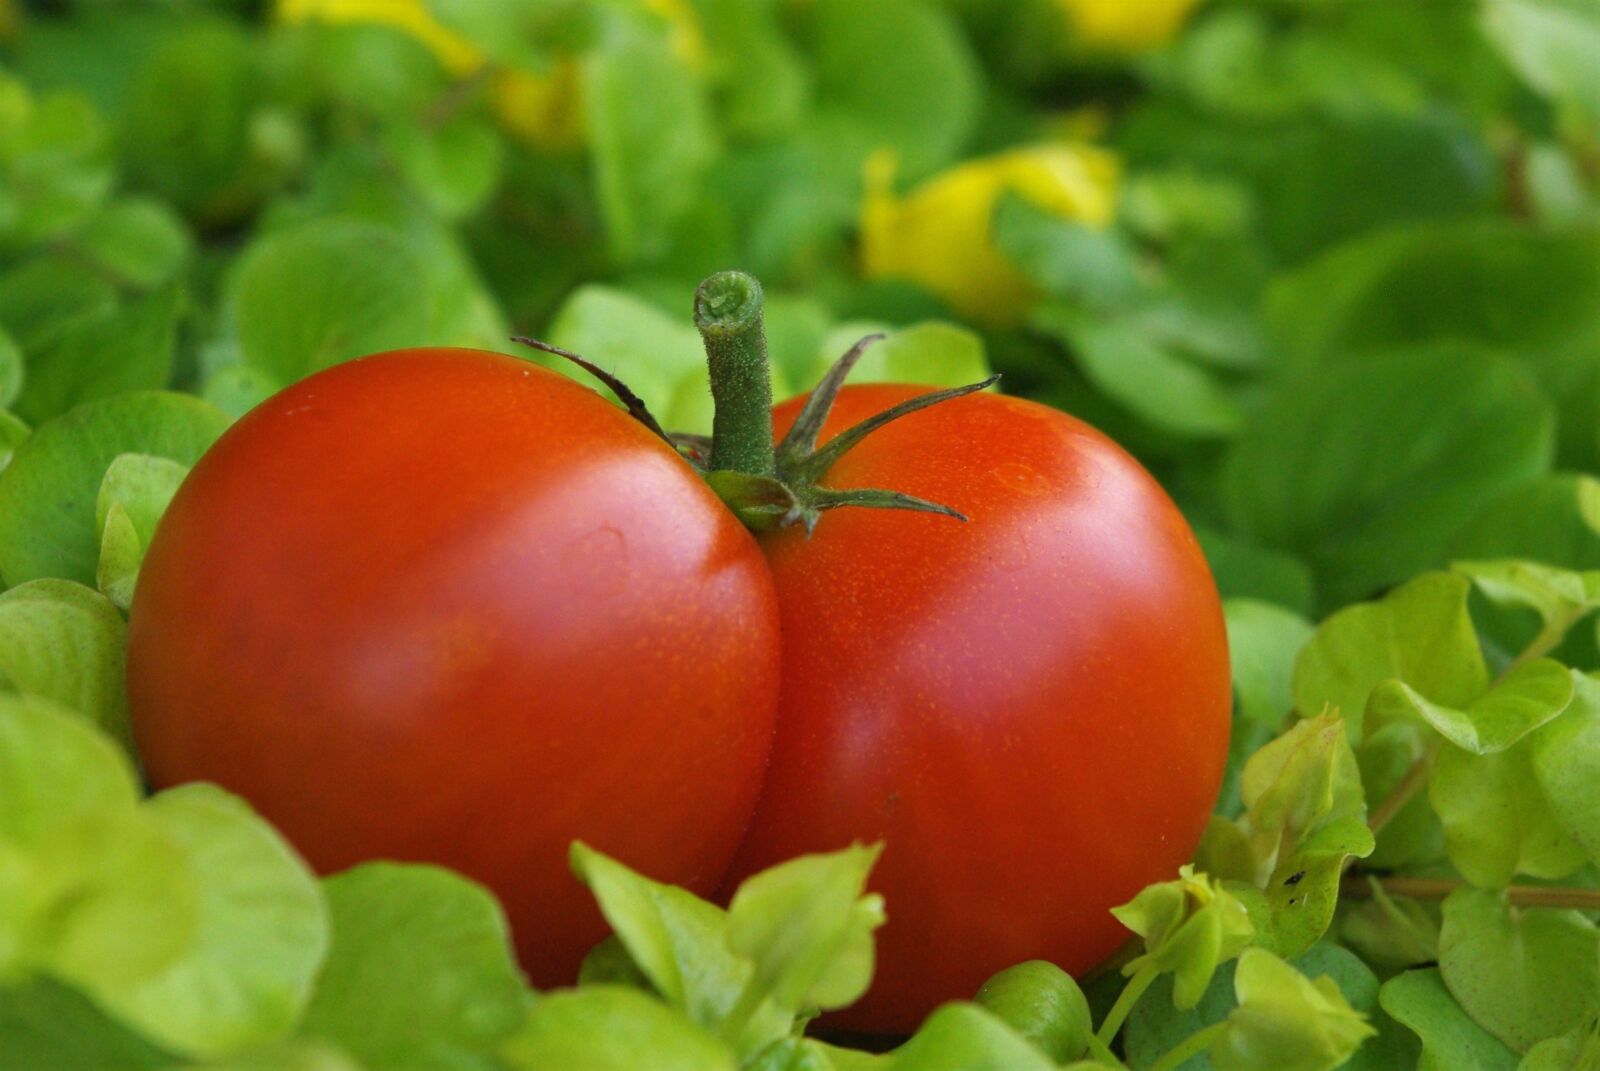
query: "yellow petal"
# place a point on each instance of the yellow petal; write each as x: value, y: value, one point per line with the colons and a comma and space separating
x: 458, y: 55
x: 683, y: 32
x: 940, y: 235
x: 542, y: 110
x: 1128, y: 25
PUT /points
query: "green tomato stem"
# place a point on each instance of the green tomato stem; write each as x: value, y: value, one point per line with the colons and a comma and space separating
x: 1193, y: 1045
x: 1125, y: 1002
x: 727, y: 310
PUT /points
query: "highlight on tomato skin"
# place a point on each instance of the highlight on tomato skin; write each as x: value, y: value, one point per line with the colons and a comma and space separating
x: 465, y: 641
x: 1030, y: 711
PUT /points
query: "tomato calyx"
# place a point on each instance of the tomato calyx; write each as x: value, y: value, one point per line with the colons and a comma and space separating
x: 769, y: 486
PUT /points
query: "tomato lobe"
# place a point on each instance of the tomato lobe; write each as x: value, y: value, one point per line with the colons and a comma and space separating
x: 447, y: 606
x: 1031, y: 709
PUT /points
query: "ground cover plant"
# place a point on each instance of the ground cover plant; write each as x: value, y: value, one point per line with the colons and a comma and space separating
x: 1330, y: 270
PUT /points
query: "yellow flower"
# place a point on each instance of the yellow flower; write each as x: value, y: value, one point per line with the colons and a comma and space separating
x: 542, y: 109
x: 546, y: 110
x: 458, y: 55
x: 941, y: 234
x: 683, y: 32
x: 1127, y: 25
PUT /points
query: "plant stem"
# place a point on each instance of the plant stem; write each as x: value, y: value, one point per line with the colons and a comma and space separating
x: 1125, y: 1001
x: 1355, y: 887
x: 1103, y: 1054
x: 1193, y: 1045
x: 727, y: 310
x: 1548, y: 639
x: 1413, y: 782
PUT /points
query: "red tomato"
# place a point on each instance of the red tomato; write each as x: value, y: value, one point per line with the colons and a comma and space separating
x: 447, y: 606
x: 1030, y: 710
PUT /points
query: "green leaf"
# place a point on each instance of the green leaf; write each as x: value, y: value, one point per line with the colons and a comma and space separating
x: 1523, y: 974
x: 45, y: 1026
x: 202, y: 157
x: 289, y: 1056
x: 660, y: 357
x: 1190, y: 926
x: 933, y: 353
x: 764, y: 86
x: 901, y: 73
x: 455, y: 166
x: 12, y: 433
x: 1143, y: 374
x: 1495, y: 283
x: 1550, y: 592
x: 603, y: 1028
x: 1156, y: 1026
x: 1551, y: 44
x: 966, y: 1037
x: 610, y: 963
x: 1066, y: 258
x: 1286, y: 1022
x: 808, y: 1054
x: 1497, y: 822
x: 1566, y: 764
x: 138, y: 241
x: 1560, y: 597
x: 680, y: 943
x: 355, y: 289
x: 1298, y: 784
x: 47, y: 294
x: 54, y: 163
x: 261, y: 936
x: 125, y: 349
x: 513, y: 34
x: 55, y: 770
x: 1263, y: 643
x: 107, y: 903
x: 1550, y: 519
x: 1246, y: 571
x: 236, y: 389
x: 92, y: 890
x: 64, y: 642
x: 1391, y: 932
x: 1369, y: 467
x: 1420, y: 633
x: 420, y: 973
x: 47, y: 493
x: 1451, y: 1040
x: 11, y: 369
x: 1525, y: 698
x: 1042, y: 1003
x: 1304, y: 818
x: 807, y: 925
x: 133, y: 495
x: 650, y: 140
x: 1576, y: 1050
x: 120, y: 557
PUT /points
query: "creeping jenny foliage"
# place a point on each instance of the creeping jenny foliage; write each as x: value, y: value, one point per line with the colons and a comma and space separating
x: 1330, y: 269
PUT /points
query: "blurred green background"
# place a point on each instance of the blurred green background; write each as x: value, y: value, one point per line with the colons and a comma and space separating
x: 1331, y: 268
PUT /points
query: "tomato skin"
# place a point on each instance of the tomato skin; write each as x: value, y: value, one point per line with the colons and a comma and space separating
x: 448, y: 606
x: 1031, y: 709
